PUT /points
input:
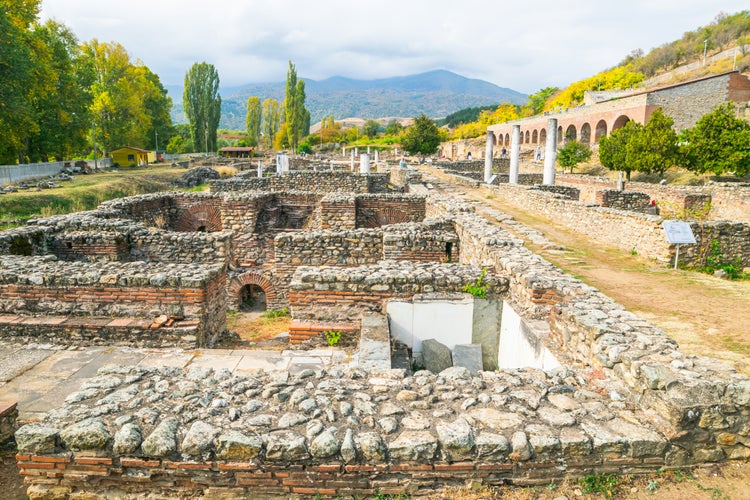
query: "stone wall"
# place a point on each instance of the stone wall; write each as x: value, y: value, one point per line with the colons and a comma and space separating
x: 431, y: 241
x: 624, y: 200
x: 308, y: 181
x: 105, y: 302
x: 8, y: 416
x: 728, y: 201
x: 375, y: 210
x: 566, y: 192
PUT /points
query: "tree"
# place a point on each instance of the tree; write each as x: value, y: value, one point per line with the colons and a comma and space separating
x: 254, y: 119
x: 572, y: 153
x: 719, y: 142
x: 394, y: 128
x: 654, y: 148
x: 371, y: 128
x: 296, y: 115
x: 271, y: 120
x: 422, y: 138
x: 202, y: 104
x: 613, y: 153
x: 536, y: 102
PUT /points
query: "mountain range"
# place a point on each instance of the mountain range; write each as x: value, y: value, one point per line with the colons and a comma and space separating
x: 435, y: 93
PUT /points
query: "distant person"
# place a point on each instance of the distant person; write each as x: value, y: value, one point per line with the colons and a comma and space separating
x: 537, y: 154
x: 504, y: 153
x: 468, y: 155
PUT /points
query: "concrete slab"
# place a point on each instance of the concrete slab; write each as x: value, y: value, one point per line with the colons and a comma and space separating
x: 16, y: 362
x: 64, y: 364
x: 157, y: 359
x: 215, y: 362
x: 249, y: 364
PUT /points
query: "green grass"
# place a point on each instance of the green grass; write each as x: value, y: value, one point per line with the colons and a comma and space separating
x: 85, y: 192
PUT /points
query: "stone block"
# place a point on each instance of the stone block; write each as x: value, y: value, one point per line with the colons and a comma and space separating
x: 468, y: 356
x: 436, y: 356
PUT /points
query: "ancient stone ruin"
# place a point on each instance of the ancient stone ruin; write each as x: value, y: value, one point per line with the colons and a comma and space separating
x: 378, y: 257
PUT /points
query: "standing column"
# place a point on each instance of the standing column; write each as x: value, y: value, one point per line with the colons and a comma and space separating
x: 515, y: 154
x: 364, y: 164
x: 550, y: 153
x: 260, y: 169
x: 488, y: 156
x: 377, y: 156
x: 351, y: 161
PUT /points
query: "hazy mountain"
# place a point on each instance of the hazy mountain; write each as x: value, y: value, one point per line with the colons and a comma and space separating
x: 436, y: 93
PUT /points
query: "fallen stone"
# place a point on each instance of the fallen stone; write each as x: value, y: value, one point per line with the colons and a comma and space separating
x: 468, y: 356
x: 436, y: 356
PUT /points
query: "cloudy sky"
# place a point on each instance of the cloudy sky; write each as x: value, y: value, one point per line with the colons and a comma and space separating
x: 523, y: 45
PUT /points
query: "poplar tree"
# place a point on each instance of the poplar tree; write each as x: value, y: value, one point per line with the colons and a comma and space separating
x: 271, y: 120
x: 202, y: 104
x: 253, y: 119
x: 297, y: 116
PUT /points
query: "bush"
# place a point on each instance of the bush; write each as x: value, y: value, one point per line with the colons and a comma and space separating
x: 332, y: 337
x: 477, y: 288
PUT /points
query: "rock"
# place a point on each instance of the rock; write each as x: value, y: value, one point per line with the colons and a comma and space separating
x: 495, y: 419
x: 574, y: 442
x: 89, y: 434
x: 416, y: 421
x: 388, y: 424
x: 623, y: 437
x: 456, y: 439
x: 456, y: 373
x: 372, y: 447
x: 233, y: 445
x: 291, y: 419
x: 468, y: 356
x: 413, y: 446
x: 162, y: 442
x: 345, y: 408
x: 348, y: 449
x: 555, y: 418
x: 199, y: 440
x: 37, y: 439
x: 286, y: 446
x: 325, y: 445
x: 563, y: 402
x: 491, y: 446
x: 127, y: 440
x: 389, y: 409
x: 436, y: 356
x: 521, y: 449
x: 406, y: 395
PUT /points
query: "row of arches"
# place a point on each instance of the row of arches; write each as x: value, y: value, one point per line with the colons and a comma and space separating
x: 570, y: 133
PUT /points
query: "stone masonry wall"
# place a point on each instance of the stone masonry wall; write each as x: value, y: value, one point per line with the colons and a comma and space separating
x: 101, y: 293
x: 729, y: 201
x: 624, y: 200
x: 375, y: 210
x: 307, y: 181
x: 8, y: 416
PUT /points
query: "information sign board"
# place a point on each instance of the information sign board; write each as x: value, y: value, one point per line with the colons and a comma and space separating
x: 678, y: 232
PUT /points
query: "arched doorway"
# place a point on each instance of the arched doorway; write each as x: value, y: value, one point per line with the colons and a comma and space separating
x: 205, y: 219
x: 559, y: 134
x: 620, y: 122
x: 586, y: 134
x: 534, y: 137
x: 543, y: 136
x: 570, y: 133
x: 252, y: 298
x: 249, y: 289
x: 527, y: 140
x: 601, y: 130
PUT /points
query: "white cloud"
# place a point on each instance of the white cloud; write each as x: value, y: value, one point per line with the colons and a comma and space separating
x: 521, y: 45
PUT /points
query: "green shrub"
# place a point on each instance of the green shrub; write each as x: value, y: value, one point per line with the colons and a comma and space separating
x: 477, y: 288
x: 332, y: 336
x: 276, y: 313
x: 604, y: 484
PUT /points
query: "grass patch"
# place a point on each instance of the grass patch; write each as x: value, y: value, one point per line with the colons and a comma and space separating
x: 85, y: 192
x: 258, y: 327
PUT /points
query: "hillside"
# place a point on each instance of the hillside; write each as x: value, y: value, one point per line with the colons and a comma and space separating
x: 435, y: 93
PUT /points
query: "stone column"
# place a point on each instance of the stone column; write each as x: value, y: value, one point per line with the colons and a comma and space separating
x: 515, y: 153
x: 377, y: 156
x: 260, y: 169
x: 343, y: 151
x: 488, y: 156
x: 368, y: 150
x: 364, y: 164
x: 550, y: 153
x: 351, y: 161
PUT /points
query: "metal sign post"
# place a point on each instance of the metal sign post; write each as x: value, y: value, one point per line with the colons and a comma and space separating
x: 678, y: 233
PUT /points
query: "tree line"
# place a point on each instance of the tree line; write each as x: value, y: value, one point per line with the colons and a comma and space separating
x: 58, y: 96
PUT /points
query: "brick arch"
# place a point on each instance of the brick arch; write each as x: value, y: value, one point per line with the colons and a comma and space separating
x: 535, y: 137
x: 543, y: 136
x: 194, y: 218
x: 385, y: 217
x: 250, y: 278
x: 620, y: 122
x: 586, y: 133
x: 601, y: 130
x: 571, y: 134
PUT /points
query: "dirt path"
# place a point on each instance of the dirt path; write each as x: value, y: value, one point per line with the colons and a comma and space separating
x: 705, y: 315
